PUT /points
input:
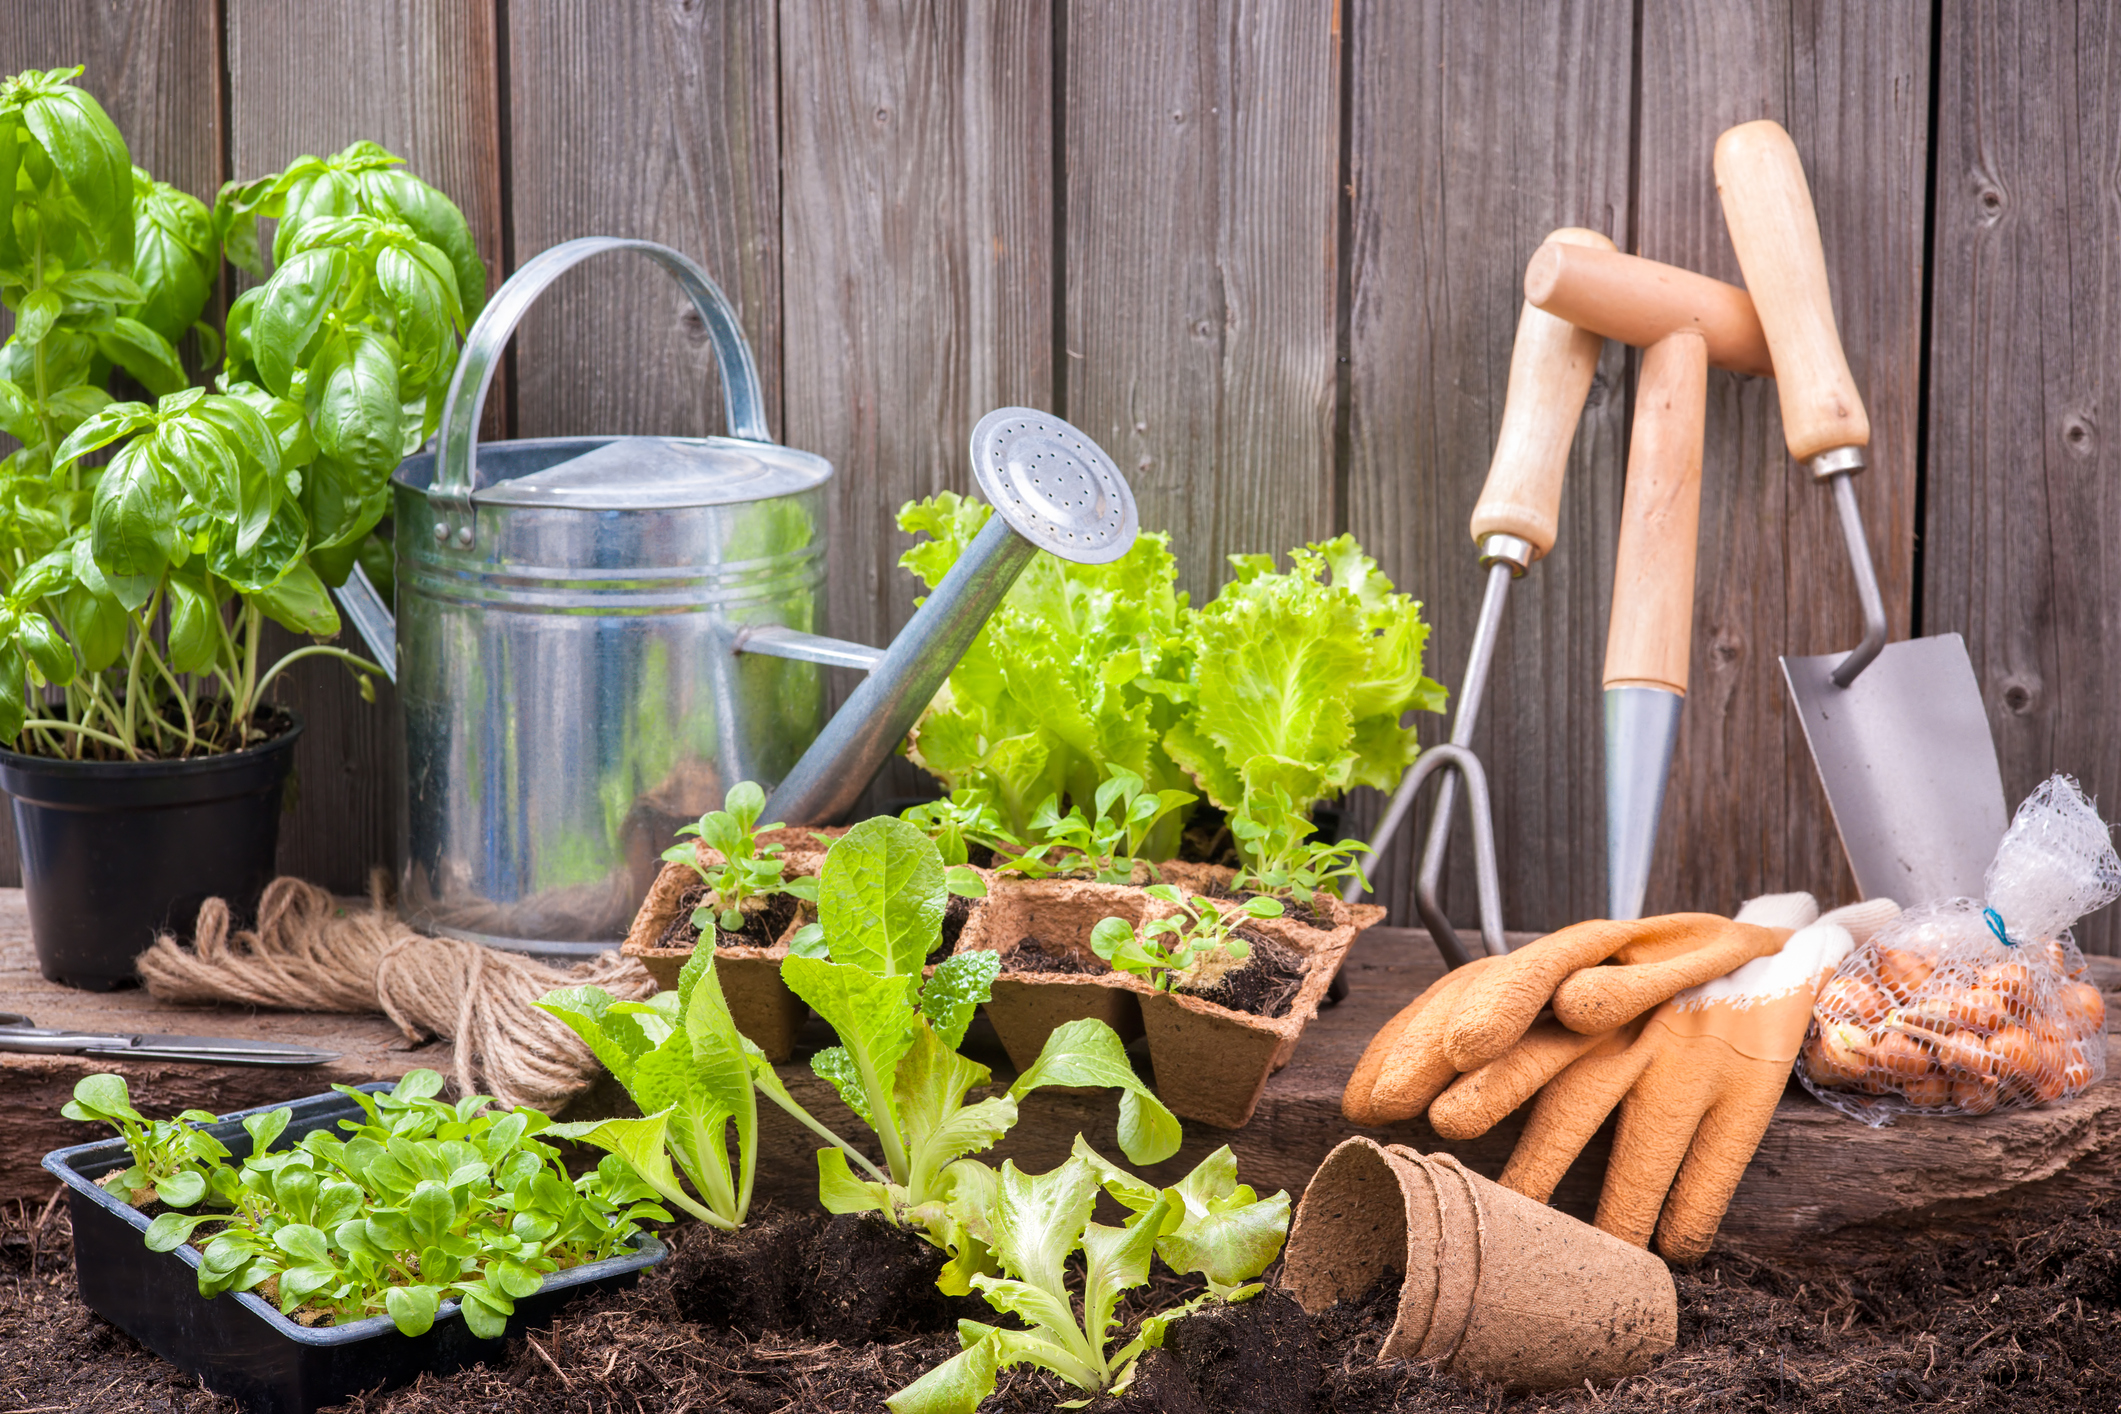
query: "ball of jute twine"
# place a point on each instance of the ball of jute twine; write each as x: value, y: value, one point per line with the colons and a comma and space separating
x: 310, y: 953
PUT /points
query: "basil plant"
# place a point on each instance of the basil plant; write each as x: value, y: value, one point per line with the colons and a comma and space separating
x: 135, y: 582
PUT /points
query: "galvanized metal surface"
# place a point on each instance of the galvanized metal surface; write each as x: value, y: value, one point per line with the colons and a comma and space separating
x: 1641, y: 730
x: 1909, y: 767
x: 565, y: 613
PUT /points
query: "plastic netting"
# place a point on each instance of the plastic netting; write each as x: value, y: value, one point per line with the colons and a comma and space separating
x: 1969, y: 1006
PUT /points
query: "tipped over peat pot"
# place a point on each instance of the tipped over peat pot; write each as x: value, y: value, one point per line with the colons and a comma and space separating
x: 238, y: 1344
x: 115, y: 851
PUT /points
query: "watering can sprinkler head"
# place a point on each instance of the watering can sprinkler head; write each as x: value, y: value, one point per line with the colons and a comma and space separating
x: 1052, y: 488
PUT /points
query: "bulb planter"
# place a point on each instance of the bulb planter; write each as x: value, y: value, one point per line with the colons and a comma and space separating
x: 765, y: 1011
x: 114, y: 852
x: 1211, y: 1062
x: 238, y: 1344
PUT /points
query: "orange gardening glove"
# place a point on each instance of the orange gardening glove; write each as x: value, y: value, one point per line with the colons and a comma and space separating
x: 1696, y: 1084
x: 1589, y: 1005
x: 1481, y: 1012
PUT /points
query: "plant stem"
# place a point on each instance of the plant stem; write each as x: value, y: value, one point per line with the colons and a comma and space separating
x: 52, y: 725
x: 804, y: 1118
x: 324, y: 650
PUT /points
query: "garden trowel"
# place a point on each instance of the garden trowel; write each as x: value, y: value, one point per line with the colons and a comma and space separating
x: 1515, y: 522
x: 1684, y: 322
x: 1898, y: 731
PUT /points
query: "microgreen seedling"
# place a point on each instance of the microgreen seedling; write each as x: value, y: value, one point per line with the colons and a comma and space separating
x: 1279, y: 853
x: 1166, y: 948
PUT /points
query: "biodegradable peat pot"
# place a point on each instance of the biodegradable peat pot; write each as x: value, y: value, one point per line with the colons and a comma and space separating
x: 1493, y: 1286
x: 765, y: 1011
x: 114, y: 852
x: 239, y: 1345
x: 1026, y: 1007
x: 1212, y: 1062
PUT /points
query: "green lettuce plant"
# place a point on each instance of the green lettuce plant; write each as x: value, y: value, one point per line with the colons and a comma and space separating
x: 1078, y: 672
x: 1279, y: 852
x: 171, y: 1157
x: 880, y: 903
x: 1168, y: 947
x: 1032, y: 1224
x: 421, y: 1202
x: 1295, y: 691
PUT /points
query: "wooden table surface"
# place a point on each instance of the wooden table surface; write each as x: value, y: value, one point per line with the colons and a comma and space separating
x: 1816, y: 1174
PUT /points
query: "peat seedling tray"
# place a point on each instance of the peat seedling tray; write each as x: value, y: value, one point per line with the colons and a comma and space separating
x: 238, y: 1344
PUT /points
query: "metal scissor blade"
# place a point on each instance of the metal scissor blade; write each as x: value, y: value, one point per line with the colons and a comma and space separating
x: 221, y: 1050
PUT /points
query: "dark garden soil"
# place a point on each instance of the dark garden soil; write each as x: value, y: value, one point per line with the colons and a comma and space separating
x: 762, y: 928
x: 1310, y: 915
x: 804, y: 1314
x: 956, y: 914
x: 1264, y: 984
x: 1037, y: 955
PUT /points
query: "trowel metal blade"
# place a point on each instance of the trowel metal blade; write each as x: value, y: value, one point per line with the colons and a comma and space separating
x: 1909, y: 767
x: 1641, y: 730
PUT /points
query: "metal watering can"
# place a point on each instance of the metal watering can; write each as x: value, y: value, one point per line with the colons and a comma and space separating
x: 596, y: 636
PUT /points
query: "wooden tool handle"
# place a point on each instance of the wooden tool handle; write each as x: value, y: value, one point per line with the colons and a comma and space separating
x: 1768, y: 207
x: 1550, y: 375
x: 1651, y: 630
x: 1640, y: 301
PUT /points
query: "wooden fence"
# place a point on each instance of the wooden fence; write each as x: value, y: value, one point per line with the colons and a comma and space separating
x: 1268, y: 253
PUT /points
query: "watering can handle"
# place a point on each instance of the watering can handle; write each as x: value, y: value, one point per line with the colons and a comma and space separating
x: 456, y: 439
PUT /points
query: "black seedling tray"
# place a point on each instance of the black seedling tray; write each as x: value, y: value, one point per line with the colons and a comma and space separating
x: 239, y: 1345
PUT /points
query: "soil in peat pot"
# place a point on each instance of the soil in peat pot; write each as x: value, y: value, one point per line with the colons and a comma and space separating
x: 2021, y: 1315
x: 957, y: 912
x: 1264, y: 984
x: 762, y: 927
x: 1030, y: 954
x: 1310, y: 915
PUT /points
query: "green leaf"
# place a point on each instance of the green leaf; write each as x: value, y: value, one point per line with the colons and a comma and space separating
x: 46, y: 649
x: 169, y: 1231
x: 485, y: 1314
x: 1115, y: 1260
x: 134, y: 524
x: 14, y: 693
x: 835, y: 1066
x: 89, y: 153
x: 872, y: 1015
x: 102, y: 428
x: 617, y: 1043
x: 642, y: 1144
x: 440, y: 224
x: 181, y: 1190
x: 961, y: 1383
x: 290, y: 313
x: 1088, y: 1052
x: 1225, y: 1231
x: 1037, y: 1220
x: 957, y: 986
x: 143, y: 353
x: 299, y: 601
x: 36, y: 316
x: 194, y: 637
x: 412, y: 1308
x: 355, y: 405
x: 839, y: 1191
x: 881, y: 896
x: 104, y: 286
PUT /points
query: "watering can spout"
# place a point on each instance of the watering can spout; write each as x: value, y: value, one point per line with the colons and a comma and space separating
x: 1053, y: 489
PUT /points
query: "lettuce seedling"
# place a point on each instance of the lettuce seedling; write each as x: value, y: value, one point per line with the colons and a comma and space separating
x: 1106, y: 844
x: 422, y: 1202
x: 1031, y: 1223
x: 880, y: 905
x: 694, y: 1077
x: 1168, y: 947
x: 963, y: 818
x: 748, y: 870
x: 1274, y: 840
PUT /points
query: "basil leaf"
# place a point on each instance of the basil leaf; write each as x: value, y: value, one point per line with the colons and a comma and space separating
x: 89, y: 153
x: 46, y: 648
x: 354, y: 401
x: 134, y: 524
x: 143, y: 353
x: 291, y: 312
x: 299, y: 601
x: 14, y: 693
x: 39, y: 312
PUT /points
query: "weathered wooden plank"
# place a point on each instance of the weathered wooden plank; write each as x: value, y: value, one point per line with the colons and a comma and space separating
x: 1475, y: 130
x: 1202, y: 142
x: 655, y: 121
x: 155, y: 66
x: 421, y: 81
x: 1744, y: 813
x: 2022, y: 506
x: 918, y: 221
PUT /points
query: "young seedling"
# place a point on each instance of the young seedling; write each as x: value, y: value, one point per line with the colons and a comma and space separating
x: 1106, y: 844
x: 881, y: 895
x: 171, y: 1157
x: 748, y: 870
x: 964, y: 818
x: 1279, y: 855
x: 1167, y: 950
x: 422, y: 1202
x: 1030, y: 1224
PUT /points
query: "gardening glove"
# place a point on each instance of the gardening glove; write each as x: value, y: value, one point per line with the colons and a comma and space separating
x: 1592, y: 1003
x: 1481, y: 1011
x: 1696, y: 1083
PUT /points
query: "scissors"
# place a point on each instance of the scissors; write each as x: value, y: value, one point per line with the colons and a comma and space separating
x: 19, y: 1033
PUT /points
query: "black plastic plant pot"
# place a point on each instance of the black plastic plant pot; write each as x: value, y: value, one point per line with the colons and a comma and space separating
x: 241, y: 1346
x: 115, y: 851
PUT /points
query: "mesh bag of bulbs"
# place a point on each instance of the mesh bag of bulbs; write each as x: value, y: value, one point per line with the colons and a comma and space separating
x: 1969, y: 1006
